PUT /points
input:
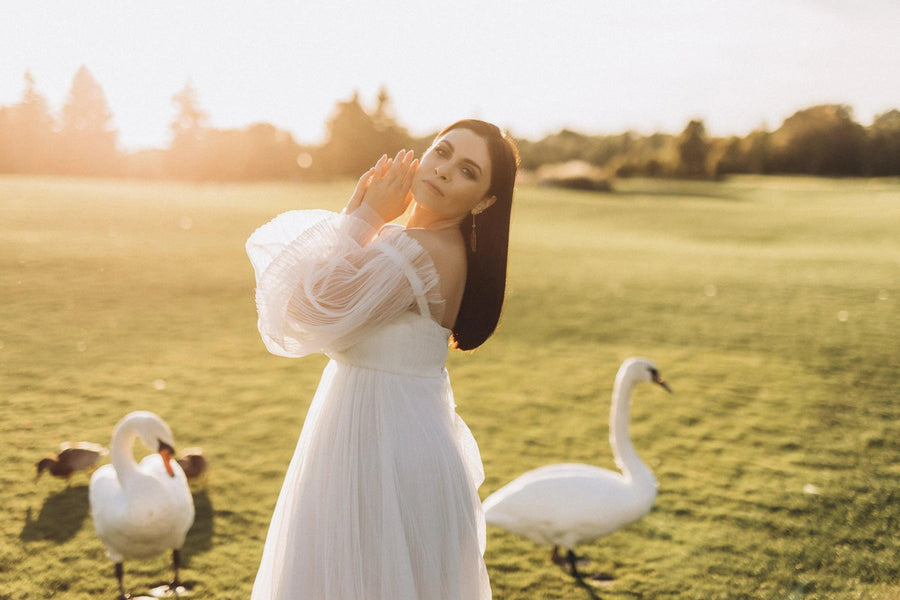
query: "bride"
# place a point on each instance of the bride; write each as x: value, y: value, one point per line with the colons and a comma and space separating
x: 380, y: 501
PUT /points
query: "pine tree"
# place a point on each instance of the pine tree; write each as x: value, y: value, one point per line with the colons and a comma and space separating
x: 88, y: 138
x: 693, y: 150
x: 186, y: 157
x: 28, y: 133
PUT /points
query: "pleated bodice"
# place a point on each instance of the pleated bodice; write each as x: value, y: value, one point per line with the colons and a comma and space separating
x: 409, y: 345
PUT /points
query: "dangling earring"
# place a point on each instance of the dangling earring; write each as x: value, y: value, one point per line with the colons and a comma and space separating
x: 472, y: 236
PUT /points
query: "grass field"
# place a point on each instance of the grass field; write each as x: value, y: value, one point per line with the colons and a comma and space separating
x: 772, y: 307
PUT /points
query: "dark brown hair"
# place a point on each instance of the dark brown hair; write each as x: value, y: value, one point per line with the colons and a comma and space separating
x: 485, y: 289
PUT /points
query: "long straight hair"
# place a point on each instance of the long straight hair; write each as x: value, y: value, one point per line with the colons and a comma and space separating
x: 485, y: 289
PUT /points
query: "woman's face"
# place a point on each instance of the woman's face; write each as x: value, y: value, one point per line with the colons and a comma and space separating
x: 454, y: 174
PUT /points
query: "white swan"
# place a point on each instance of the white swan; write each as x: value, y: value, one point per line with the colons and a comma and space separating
x: 569, y: 504
x: 141, y: 510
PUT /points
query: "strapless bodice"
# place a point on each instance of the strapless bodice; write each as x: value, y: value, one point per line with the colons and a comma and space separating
x: 409, y: 345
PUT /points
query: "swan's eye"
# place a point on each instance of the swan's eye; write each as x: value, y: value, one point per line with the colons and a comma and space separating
x: 654, y: 373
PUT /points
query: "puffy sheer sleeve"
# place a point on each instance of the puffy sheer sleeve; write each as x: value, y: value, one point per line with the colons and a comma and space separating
x: 324, y: 281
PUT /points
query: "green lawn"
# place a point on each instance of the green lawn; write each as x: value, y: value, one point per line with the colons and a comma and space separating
x: 771, y: 305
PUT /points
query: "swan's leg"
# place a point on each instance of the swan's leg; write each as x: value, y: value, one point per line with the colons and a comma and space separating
x: 555, y: 558
x: 176, y: 564
x: 120, y: 571
x: 572, y: 559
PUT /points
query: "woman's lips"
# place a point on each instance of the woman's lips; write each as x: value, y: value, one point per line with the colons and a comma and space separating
x: 434, y: 188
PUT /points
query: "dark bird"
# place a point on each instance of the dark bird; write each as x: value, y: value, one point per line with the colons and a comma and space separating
x: 71, y: 458
x: 193, y: 463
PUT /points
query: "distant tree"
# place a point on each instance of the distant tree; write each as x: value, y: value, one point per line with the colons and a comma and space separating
x: 87, y: 135
x: 561, y: 147
x: 821, y: 140
x: 392, y: 136
x: 655, y: 155
x: 351, y: 144
x: 27, y: 136
x: 6, y: 141
x: 272, y: 153
x: 757, y: 151
x: 603, y: 149
x: 732, y: 159
x: 187, y: 153
x: 356, y: 138
x: 693, y: 150
x: 258, y: 152
x: 883, y: 147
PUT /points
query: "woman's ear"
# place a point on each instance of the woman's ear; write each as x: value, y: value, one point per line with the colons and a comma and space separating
x: 484, y: 205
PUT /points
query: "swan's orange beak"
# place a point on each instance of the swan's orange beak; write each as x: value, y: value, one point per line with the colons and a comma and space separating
x: 167, y: 452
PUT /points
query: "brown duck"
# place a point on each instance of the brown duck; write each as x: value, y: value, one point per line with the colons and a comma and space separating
x: 193, y: 463
x: 71, y: 458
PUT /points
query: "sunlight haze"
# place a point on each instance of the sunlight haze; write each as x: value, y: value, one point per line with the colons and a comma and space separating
x: 597, y: 67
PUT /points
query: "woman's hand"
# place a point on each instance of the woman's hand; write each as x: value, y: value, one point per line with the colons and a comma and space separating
x: 385, y: 188
x: 361, y: 186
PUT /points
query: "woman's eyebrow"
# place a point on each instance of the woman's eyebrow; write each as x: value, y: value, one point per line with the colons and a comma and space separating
x: 465, y: 160
x: 474, y: 164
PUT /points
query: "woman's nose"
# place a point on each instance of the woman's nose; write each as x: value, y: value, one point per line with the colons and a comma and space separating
x: 441, y: 171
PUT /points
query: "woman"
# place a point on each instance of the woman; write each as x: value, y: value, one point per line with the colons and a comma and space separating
x: 380, y: 500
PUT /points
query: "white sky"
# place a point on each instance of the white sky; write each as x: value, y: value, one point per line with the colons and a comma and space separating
x: 597, y: 66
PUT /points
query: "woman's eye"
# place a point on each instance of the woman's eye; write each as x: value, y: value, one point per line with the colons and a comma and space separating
x: 440, y: 151
x: 468, y: 172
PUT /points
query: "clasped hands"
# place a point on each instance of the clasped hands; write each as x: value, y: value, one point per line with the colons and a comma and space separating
x: 385, y: 188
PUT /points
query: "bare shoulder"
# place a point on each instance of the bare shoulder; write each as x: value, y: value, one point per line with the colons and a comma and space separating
x: 448, y: 255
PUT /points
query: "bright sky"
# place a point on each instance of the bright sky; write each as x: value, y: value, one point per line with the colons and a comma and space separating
x: 533, y: 67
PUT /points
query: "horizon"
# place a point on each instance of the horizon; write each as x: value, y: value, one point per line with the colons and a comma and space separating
x: 735, y: 66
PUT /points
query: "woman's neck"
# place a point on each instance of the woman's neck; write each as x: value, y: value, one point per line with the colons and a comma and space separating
x: 422, y: 218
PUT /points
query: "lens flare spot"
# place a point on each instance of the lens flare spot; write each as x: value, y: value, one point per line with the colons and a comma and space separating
x: 304, y: 160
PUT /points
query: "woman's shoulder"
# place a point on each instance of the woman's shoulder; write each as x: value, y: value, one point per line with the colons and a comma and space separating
x: 443, y: 246
x: 448, y: 255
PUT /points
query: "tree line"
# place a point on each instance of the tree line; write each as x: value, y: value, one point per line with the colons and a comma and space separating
x: 81, y: 140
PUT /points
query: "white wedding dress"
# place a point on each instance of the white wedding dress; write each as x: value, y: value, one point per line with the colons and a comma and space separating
x: 379, y: 501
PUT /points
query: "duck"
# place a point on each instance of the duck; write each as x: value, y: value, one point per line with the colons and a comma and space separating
x: 568, y: 504
x: 72, y: 457
x: 193, y: 463
x: 141, y: 510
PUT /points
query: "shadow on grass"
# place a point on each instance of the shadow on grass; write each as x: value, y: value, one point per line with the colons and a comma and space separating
x: 60, y: 518
x: 587, y: 588
x: 200, y: 535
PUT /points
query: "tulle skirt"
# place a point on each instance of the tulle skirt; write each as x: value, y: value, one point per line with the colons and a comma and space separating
x: 379, y: 501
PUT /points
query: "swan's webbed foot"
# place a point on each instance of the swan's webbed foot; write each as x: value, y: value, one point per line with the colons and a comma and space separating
x: 568, y: 562
x: 175, y: 588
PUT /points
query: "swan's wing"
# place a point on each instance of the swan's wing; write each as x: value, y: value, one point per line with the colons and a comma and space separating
x: 557, y: 471
x: 564, y: 504
x: 175, y: 495
x: 109, y: 510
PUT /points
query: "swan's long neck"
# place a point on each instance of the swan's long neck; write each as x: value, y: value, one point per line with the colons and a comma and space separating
x: 620, y: 414
x: 122, y: 452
